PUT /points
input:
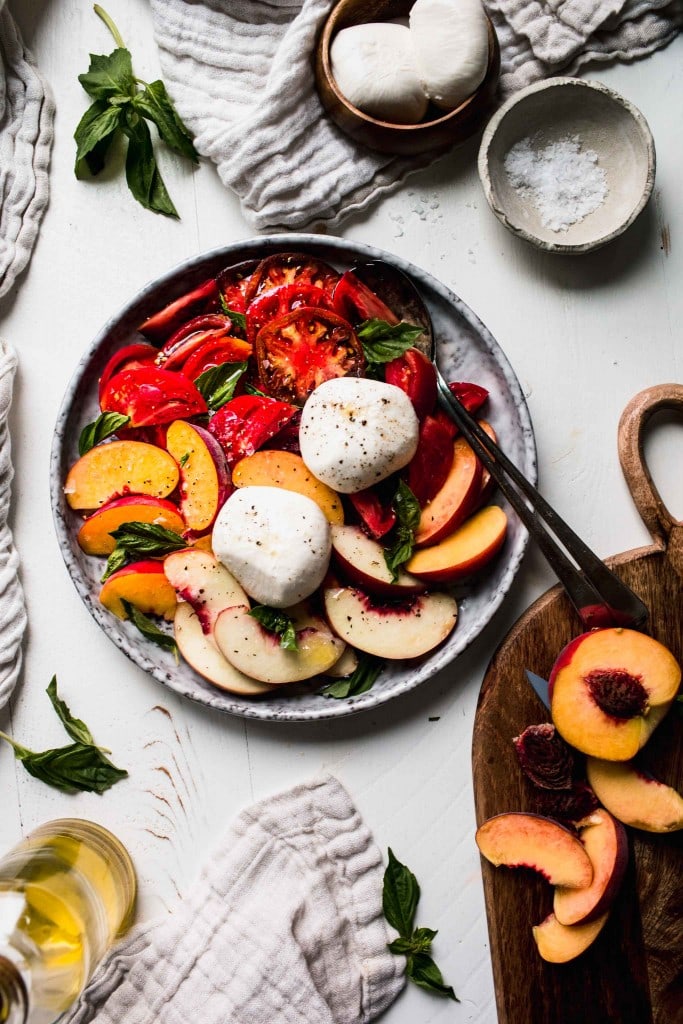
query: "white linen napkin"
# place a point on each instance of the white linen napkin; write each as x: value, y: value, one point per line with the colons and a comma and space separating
x: 12, y: 607
x: 241, y: 75
x: 284, y: 924
x: 26, y: 118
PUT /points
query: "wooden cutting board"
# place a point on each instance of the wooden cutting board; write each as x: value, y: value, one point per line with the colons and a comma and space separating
x: 633, y: 973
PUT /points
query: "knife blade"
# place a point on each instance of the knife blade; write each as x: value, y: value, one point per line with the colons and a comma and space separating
x: 539, y: 686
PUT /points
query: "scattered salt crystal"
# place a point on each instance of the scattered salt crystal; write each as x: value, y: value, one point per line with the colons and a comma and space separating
x: 562, y: 180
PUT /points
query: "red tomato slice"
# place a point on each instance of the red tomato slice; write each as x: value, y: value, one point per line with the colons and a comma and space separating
x: 302, y: 349
x: 213, y: 352
x: 413, y: 373
x: 162, y: 324
x: 233, y: 282
x: 377, y: 518
x: 245, y: 423
x: 150, y: 395
x: 130, y: 357
x: 472, y: 396
x: 280, y: 301
x: 190, y: 337
x: 356, y: 302
x: 431, y: 463
x: 290, y: 268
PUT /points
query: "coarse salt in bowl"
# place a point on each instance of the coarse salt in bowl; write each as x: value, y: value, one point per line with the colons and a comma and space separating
x: 567, y: 165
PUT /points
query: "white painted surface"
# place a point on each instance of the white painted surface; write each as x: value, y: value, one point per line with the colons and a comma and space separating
x: 584, y: 334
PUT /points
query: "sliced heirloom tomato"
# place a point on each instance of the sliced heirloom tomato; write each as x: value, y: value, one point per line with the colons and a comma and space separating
x: 430, y: 465
x: 247, y: 422
x: 129, y: 358
x: 377, y: 517
x: 214, y: 352
x: 279, y: 301
x: 291, y: 268
x: 471, y: 396
x: 162, y: 325
x: 233, y: 283
x: 356, y: 302
x: 413, y: 373
x: 186, y: 340
x: 150, y: 395
x: 302, y: 349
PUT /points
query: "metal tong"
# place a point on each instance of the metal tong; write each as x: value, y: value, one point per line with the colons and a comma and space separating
x: 599, y: 597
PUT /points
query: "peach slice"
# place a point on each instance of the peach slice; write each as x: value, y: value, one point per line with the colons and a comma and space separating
x: 346, y: 666
x: 142, y: 584
x: 634, y: 797
x: 200, y: 579
x: 558, y: 943
x: 454, y: 502
x: 200, y: 651
x: 270, y: 468
x: 95, y: 537
x: 257, y: 652
x: 465, y: 551
x: 362, y: 562
x: 610, y: 689
x: 607, y: 847
x: 204, y: 477
x: 398, y: 630
x: 517, y: 840
x: 117, y: 468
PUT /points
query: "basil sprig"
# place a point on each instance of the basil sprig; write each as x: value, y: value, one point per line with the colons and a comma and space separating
x: 360, y: 681
x: 106, y: 424
x: 278, y: 622
x: 80, y: 766
x: 239, y: 319
x: 383, y: 341
x: 122, y: 105
x: 217, y: 385
x: 149, y: 629
x: 407, y: 509
x: 137, y: 539
x: 400, y: 896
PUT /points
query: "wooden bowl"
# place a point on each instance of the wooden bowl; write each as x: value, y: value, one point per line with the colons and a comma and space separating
x: 437, y: 130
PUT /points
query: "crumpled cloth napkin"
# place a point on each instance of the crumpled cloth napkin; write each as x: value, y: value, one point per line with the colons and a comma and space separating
x: 284, y: 924
x: 12, y: 607
x: 26, y: 119
x: 240, y: 73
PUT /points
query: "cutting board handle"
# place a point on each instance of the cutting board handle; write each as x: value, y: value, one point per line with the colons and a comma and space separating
x: 666, y: 531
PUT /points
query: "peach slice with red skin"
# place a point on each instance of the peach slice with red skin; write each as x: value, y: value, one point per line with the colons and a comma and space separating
x: 118, y: 468
x: 362, y: 562
x: 200, y: 651
x: 606, y: 844
x: 95, y: 536
x: 634, y: 797
x: 558, y: 943
x: 204, y: 476
x: 200, y: 579
x: 516, y: 839
x: 454, y: 502
x: 609, y: 689
x: 144, y: 585
x: 272, y: 468
x: 465, y: 551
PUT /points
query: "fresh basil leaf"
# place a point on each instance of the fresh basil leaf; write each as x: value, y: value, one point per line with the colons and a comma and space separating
x: 278, y: 622
x: 147, y: 539
x: 106, y: 424
x: 407, y: 509
x: 251, y: 390
x: 401, y: 947
x: 116, y: 561
x: 217, y: 385
x: 76, y: 728
x: 422, y: 939
x: 421, y: 969
x: 149, y: 629
x: 77, y: 767
x: 400, y: 896
x: 154, y: 104
x: 109, y: 75
x: 238, y: 319
x: 94, y: 134
x: 361, y: 679
x: 142, y: 173
x: 383, y: 341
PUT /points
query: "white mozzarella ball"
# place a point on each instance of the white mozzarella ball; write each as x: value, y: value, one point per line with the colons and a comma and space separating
x: 450, y: 39
x: 276, y: 543
x: 374, y: 67
x: 355, y: 432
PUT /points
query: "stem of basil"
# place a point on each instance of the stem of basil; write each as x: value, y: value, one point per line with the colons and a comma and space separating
x: 101, y: 13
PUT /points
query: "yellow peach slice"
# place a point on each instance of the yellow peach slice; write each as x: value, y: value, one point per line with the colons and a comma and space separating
x: 142, y: 584
x: 95, y: 536
x: 204, y: 479
x: 558, y: 943
x: 270, y: 468
x: 118, y: 468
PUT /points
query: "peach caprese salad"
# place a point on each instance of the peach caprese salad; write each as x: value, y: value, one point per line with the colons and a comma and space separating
x: 271, y: 473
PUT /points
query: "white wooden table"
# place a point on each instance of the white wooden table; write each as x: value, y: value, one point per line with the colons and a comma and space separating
x: 584, y: 334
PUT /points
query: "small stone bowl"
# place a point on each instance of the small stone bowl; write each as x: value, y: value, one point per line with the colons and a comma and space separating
x: 437, y: 130
x: 605, y: 123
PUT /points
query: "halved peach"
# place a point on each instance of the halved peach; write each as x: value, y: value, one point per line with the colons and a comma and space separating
x: 362, y: 562
x: 200, y: 579
x: 118, y: 468
x: 271, y: 468
x: 95, y: 536
x: 558, y: 943
x: 519, y: 840
x: 465, y: 551
x: 144, y: 585
x: 454, y: 502
x: 634, y: 797
x: 606, y: 844
x: 404, y: 629
x: 609, y: 689
x: 204, y: 476
x: 203, y: 655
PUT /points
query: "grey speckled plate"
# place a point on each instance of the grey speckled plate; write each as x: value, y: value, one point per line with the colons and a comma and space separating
x: 466, y: 351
